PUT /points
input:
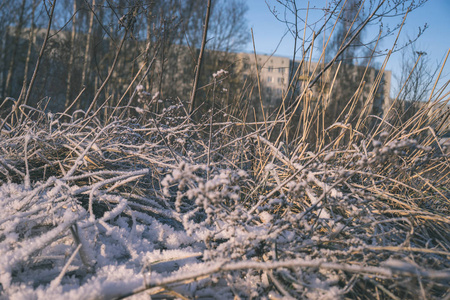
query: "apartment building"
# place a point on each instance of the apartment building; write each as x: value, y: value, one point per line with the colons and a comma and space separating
x: 275, y: 72
x: 273, y: 75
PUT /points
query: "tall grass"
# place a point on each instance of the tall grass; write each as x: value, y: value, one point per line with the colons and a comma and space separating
x: 153, y: 202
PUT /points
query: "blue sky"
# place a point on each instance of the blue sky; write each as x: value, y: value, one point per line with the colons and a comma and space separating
x: 268, y: 31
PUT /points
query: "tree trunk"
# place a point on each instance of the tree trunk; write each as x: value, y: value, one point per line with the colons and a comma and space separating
x: 41, y: 53
x: 15, y: 46
x: 32, y: 41
x: 149, y: 44
x: 72, y: 55
x: 87, y: 49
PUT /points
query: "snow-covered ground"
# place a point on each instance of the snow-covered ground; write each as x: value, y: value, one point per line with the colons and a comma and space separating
x: 127, y: 209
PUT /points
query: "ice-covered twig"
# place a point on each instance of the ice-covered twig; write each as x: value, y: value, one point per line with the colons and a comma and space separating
x: 387, y: 272
x: 55, y: 282
x: 100, y: 184
x: 9, y: 258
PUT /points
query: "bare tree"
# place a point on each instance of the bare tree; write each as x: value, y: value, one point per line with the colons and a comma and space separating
x: 87, y: 49
x: 414, y: 82
x: 15, y: 48
x: 417, y: 75
x: 345, y: 47
x: 228, y: 29
x: 41, y: 53
x: 351, y: 49
x: 72, y: 55
x: 83, y: 42
x: 31, y: 42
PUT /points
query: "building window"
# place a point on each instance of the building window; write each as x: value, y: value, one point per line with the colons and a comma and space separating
x: 269, y: 90
x: 269, y: 79
x: 270, y: 69
x: 281, y: 70
x: 280, y: 80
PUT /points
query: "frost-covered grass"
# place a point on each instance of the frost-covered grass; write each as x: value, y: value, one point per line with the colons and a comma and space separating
x: 159, y: 205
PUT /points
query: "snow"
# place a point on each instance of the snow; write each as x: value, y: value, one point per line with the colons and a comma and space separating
x: 116, y: 242
x: 220, y: 73
x: 153, y: 221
